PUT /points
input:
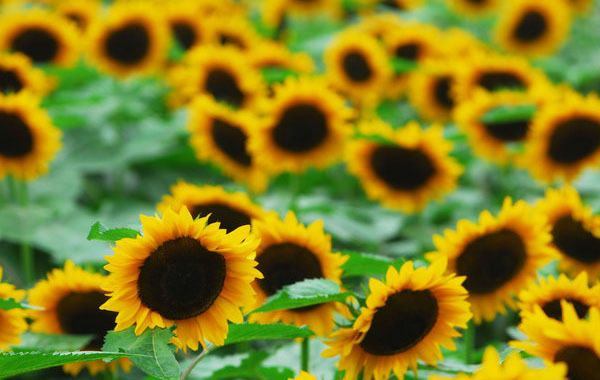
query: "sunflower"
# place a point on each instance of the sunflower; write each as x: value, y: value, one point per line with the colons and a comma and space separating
x: 409, y: 171
x: 431, y: 90
x: 70, y: 299
x: 533, y: 27
x: 182, y: 272
x: 575, y: 232
x: 379, y: 24
x: 565, y: 137
x: 12, y: 321
x: 222, y: 73
x: 43, y: 36
x: 81, y: 12
x: 494, y: 141
x: 407, y: 318
x: 18, y: 74
x: 288, y: 253
x: 499, y: 255
x: 358, y: 66
x: 269, y: 54
x: 230, y: 31
x: 273, y: 16
x: 459, y: 44
x: 492, y: 72
x: 306, y: 124
x: 304, y: 376
x: 232, y: 210
x: 402, y: 5
x: 185, y: 25
x: 475, y: 7
x: 573, y: 341
x: 314, y: 7
x: 580, y: 6
x: 511, y: 368
x: 28, y: 140
x: 132, y: 39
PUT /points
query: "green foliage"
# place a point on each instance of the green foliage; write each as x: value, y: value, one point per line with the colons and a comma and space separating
x: 507, y: 114
x: 403, y: 66
x: 250, y: 367
x: 31, y: 341
x: 99, y: 232
x: 364, y: 264
x: 273, y: 75
x: 10, y: 303
x: 247, y: 332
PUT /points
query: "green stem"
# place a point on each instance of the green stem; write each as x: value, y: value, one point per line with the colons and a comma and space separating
x: 189, y: 369
x: 305, y: 357
x: 469, y: 343
x: 111, y: 375
x: 295, y: 192
x: 26, y: 250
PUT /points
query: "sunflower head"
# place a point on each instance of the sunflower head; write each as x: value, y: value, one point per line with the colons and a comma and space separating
x: 304, y: 376
x: 475, y: 8
x: 13, y: 321
x: 18, y: 74
x: 407, y: 318
x: 185, y: 272
x: 235, y: 32
x: 431, y: 90
x: 269, y: 54
x: 184, y: 22
x: 80, y: 12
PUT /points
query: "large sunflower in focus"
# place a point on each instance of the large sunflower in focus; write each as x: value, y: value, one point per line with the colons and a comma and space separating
x: 70, y: 299
x: 305, y: 124
x: 288, y: 253
x: 28, y: 140
x: 533, y: 27
x: 574, y: 230
x: 498, y: 255
x: 565, y: 137
x: 413, y: 168
x: 407, y: 318
x: 220, y: 134
x: 12, y: 321
x: 182, y: 272
x: 131, y: 39
x: 18, y: 74
x: 43, y: 36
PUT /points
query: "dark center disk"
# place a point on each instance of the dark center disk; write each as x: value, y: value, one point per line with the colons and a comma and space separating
x: 392, y: 4
x: 582, y: 362
x: 494, y: 81
x: 554, y: 310
x: 491, y: 260
x: 441, y: 90
x: 407, y: 317
x: 508, y: 131
x: 573, y: 240
x: 37, y: 43
x: 228, y: 39
x: 79, y: 314
x: 409, y: 52
x: 402, y: 168
x: 231, y: 140
x: 573, y: 140
x: 184, y: 34
x: 78, y: 19
x: 357, y: 67
x: 285, y: 264
x: 229, y: 217
x: 224, y: 88
x: 16, y: 139
x: 9, y: 82
x: 128, y: 44
x: 301, y: 128
x: 531, y: 27
x: 478, y: 2
x: 181, y: 279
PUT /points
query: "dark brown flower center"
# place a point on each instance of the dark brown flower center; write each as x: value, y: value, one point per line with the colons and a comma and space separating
x: 9, y: 81
x: 575, y: 241
x: 184, y: 33
x: 409, y: 52
x: 79, y: 314
x: 128, y: 44
x: 37, y: 43
x: 405, y: 319
x: 508, y: 131
x: 402, y: 168
x: 498, y: 80
x: 229, y: 217
x: 224, y: 88
x: 231, y: 140
x: 78, y: 19
x: 490, y: 261
x: 181, y: 279
x: 301, y: 128
x: 573, y: 140
x: 583, y: 363
x: 16, y: 139
x: 357, y: 67
x: 228, y: 39
x: 442, y: 94
x: 553, y: 309
x: 531, y: 27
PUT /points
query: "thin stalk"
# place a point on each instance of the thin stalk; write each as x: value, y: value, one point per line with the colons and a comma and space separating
x: 295, y: 192
x: 111, y: 375
x: 469, y: 343
x: 189, y: 369
x: 27, y: 260
x: 305, y: 356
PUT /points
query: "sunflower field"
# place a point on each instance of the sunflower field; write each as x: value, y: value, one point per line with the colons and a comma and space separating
x: 300, y: 189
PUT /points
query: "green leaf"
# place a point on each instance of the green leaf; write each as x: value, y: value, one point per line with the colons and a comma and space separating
x: 363, y: 264
x: 304, y: 293
x: 254, y: 331
x: 159, y: 361
x: 375, y: 138
x: 249, y: 368
x: 31, y: 341
x: 10, y: 303
x: 402, y: 66
x: 99, y: 232
x: 507, y: 114
x: 15, y: 363
x: 275, y: 74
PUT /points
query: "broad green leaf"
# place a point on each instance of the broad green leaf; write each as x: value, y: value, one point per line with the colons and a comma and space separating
x: 507, y: 114
x: 99, y: 232
x: 364, y: 264
x: 277, y: 74
x: 159, y: 361
x: 249, y: 368
x: 305, y: 293
x: 15, y: 363
x: 10, y: 303
x: 254, y: 331
x: 402, y: 66
x: 31, y: 341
